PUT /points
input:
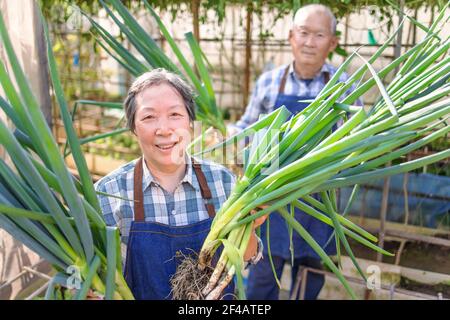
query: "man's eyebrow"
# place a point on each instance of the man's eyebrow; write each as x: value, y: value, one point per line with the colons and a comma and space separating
x: 307, y: 28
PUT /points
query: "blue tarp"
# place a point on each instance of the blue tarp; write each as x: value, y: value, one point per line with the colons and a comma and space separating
x: 428, y: 200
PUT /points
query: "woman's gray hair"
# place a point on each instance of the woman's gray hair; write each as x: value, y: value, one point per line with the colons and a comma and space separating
x: 154, y: 78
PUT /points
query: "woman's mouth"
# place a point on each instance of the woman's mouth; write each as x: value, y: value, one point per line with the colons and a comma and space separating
x: 166, y: 146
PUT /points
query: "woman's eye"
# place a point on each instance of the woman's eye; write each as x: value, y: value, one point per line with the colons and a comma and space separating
x: 175, y: 115
x: 149, y: 117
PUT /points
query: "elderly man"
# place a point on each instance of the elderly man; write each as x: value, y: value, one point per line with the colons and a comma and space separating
x: 312, y: 38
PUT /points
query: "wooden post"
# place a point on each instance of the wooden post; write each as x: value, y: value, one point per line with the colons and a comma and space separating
x: 432, y: 17
x: 406, y: 206
x: 414, y: 40
x: 345, y: 37
x: 44, y: 79
x: 383, y: 213
x: 195, y: 7
x: 248, y: 52
x: 398, y: 44
x: 304, y: 273
x: 80, y: 79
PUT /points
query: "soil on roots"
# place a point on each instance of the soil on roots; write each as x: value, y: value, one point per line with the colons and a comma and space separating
x: 189, y: 280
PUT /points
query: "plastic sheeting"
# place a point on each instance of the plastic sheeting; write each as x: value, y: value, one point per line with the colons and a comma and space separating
x: 428, y: 200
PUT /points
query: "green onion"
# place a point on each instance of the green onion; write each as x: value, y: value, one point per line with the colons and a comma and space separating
x: 291, y: 160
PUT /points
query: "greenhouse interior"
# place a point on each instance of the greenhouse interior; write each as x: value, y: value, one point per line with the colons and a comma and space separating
x: 224, y: 150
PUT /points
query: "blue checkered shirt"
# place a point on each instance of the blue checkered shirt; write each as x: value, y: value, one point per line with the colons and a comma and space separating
x: 185, y: 206
x: 268, y: 84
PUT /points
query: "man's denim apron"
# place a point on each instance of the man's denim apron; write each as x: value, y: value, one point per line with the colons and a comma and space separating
x: 261, y: 282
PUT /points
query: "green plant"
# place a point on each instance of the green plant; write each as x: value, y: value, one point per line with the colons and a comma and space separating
x: 41, y: 203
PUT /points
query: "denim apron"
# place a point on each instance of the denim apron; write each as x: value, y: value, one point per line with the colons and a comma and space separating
x: 260, y: 286
x: 152, y: 246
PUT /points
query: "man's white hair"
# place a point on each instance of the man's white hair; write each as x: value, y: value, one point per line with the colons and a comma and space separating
x: 316, y: 8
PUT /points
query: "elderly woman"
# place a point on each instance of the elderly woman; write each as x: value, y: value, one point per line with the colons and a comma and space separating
x: 175, y: 196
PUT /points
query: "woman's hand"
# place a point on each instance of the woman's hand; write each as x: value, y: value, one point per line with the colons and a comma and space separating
x: 252, y: 246
x: 91, y: 295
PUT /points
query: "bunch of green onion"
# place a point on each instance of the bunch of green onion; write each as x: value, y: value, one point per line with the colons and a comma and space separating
x: 41, y: 203
x: 291, y: 159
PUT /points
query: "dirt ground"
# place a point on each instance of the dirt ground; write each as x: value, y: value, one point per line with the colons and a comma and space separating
x: 415, y: 255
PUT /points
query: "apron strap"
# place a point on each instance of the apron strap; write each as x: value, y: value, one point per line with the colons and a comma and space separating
x: 326, y: 78
x: 283, y: 81
x: 204, y: 188
x: 139, y: 197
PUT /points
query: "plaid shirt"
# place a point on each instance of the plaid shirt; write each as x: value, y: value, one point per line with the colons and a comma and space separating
x: 268, y: 84
x: 185, y: 206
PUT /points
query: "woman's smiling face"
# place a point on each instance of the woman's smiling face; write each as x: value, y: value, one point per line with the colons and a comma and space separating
x: 162, y: 125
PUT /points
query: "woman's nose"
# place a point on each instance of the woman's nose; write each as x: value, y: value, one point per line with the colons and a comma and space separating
x: 163, y: 128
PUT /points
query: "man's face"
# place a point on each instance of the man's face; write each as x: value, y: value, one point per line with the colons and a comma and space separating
x: 311, y: 39
x: 162, y: 125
